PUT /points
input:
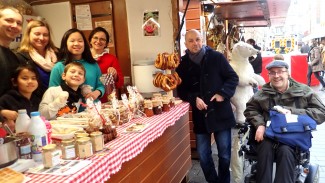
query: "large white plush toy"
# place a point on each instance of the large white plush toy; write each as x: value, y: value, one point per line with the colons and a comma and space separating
x: 244, y: 91
x: 247, y: 78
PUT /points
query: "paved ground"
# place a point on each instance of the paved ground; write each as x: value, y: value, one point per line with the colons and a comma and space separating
x: 317, y: 152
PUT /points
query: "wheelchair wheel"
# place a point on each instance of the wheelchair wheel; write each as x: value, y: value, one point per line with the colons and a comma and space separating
x: 313, y: 175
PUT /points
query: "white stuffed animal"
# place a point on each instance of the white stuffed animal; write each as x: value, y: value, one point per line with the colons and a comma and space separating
x: 244, y: 91
x: 247, y: 78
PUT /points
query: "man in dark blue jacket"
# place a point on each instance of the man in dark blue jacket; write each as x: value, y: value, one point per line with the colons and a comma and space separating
x: 208, y: 83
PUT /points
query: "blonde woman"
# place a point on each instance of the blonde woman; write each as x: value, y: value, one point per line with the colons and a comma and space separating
x: 38, y: 50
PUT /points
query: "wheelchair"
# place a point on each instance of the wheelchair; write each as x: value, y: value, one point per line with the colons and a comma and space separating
x: 305, y: 172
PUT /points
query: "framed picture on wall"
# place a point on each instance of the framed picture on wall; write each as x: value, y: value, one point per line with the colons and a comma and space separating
x: 150, y: 26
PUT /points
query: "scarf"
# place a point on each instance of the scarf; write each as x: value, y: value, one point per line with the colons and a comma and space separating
x: 46, y: 63
x: 197, y: 57
x: 74, y: 96
x: 106, y: 50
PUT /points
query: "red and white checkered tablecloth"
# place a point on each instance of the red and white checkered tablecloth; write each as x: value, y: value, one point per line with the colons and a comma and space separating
x: 125, y: 147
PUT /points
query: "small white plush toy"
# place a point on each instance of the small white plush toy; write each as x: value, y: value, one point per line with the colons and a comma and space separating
x: 247, y: 78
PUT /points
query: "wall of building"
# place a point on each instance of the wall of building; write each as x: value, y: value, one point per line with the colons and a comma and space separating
x: 58, y: 16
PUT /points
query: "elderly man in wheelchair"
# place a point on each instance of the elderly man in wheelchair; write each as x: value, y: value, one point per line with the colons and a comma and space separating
x: 287, y: 101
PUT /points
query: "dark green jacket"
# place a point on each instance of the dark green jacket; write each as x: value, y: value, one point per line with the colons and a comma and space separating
x: 299, y: 98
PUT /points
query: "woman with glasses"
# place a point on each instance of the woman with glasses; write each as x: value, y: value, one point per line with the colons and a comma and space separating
x: 108, y: 63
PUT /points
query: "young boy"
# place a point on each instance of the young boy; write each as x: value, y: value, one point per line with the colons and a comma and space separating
x: 66, y: 98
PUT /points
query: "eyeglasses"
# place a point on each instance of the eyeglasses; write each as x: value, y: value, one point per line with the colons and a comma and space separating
x: 272, y: 73
x: 99, y: 39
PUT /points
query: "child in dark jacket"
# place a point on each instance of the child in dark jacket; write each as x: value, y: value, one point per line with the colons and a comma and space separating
x: 25, y: 82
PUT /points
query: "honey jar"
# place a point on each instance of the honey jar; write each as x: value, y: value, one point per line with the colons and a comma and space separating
x: 97, y: 141
x: 166, y: 106
x: 157, y: 107
x: 148, y: 108
x: 51, y: 155
x: 84, y: 147
x: 68, y: 149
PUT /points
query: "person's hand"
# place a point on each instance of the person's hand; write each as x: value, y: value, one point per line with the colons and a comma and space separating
x: 218, y: 98
x: 259, y: 135
x: 11, y: 124
x: 62, y: 99
x: 94, y: 95
x: 112, y: 70
x: 282, y: 110
x: 200, y: 104
x: 9, y: 114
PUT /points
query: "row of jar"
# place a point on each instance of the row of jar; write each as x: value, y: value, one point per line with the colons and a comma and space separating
x: 82, y: 146
x: 158, y: 104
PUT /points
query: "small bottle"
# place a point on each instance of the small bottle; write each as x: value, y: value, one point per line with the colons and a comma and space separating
x: 51, y: 156
x: 49, y: 130
x: 22, y: 121
x: 38, y: 131
x: 68, y: 149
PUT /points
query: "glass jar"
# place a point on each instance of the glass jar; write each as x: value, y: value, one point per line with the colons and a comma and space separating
x: 24, y: 145
x: 166, y: 106
x: 68, y: 149
x: 157, y: 107
x: 84, y: 147
x: 148, y: 108
x: 51, y: 155
x: 97, y: 141
x: 172, y: 102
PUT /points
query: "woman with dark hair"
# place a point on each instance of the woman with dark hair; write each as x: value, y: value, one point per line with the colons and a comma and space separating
x: 108, y: 63
x: 74, y: 47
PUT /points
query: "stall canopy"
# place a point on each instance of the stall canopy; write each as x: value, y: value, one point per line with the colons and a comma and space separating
x: 252, y: 13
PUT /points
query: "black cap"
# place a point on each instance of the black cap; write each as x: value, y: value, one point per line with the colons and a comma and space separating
x: 277, y: 63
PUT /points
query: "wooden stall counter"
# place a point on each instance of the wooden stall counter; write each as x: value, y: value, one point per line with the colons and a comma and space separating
x: 160, y: 153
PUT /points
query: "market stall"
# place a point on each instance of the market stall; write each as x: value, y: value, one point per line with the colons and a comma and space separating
x: 159, y: 153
